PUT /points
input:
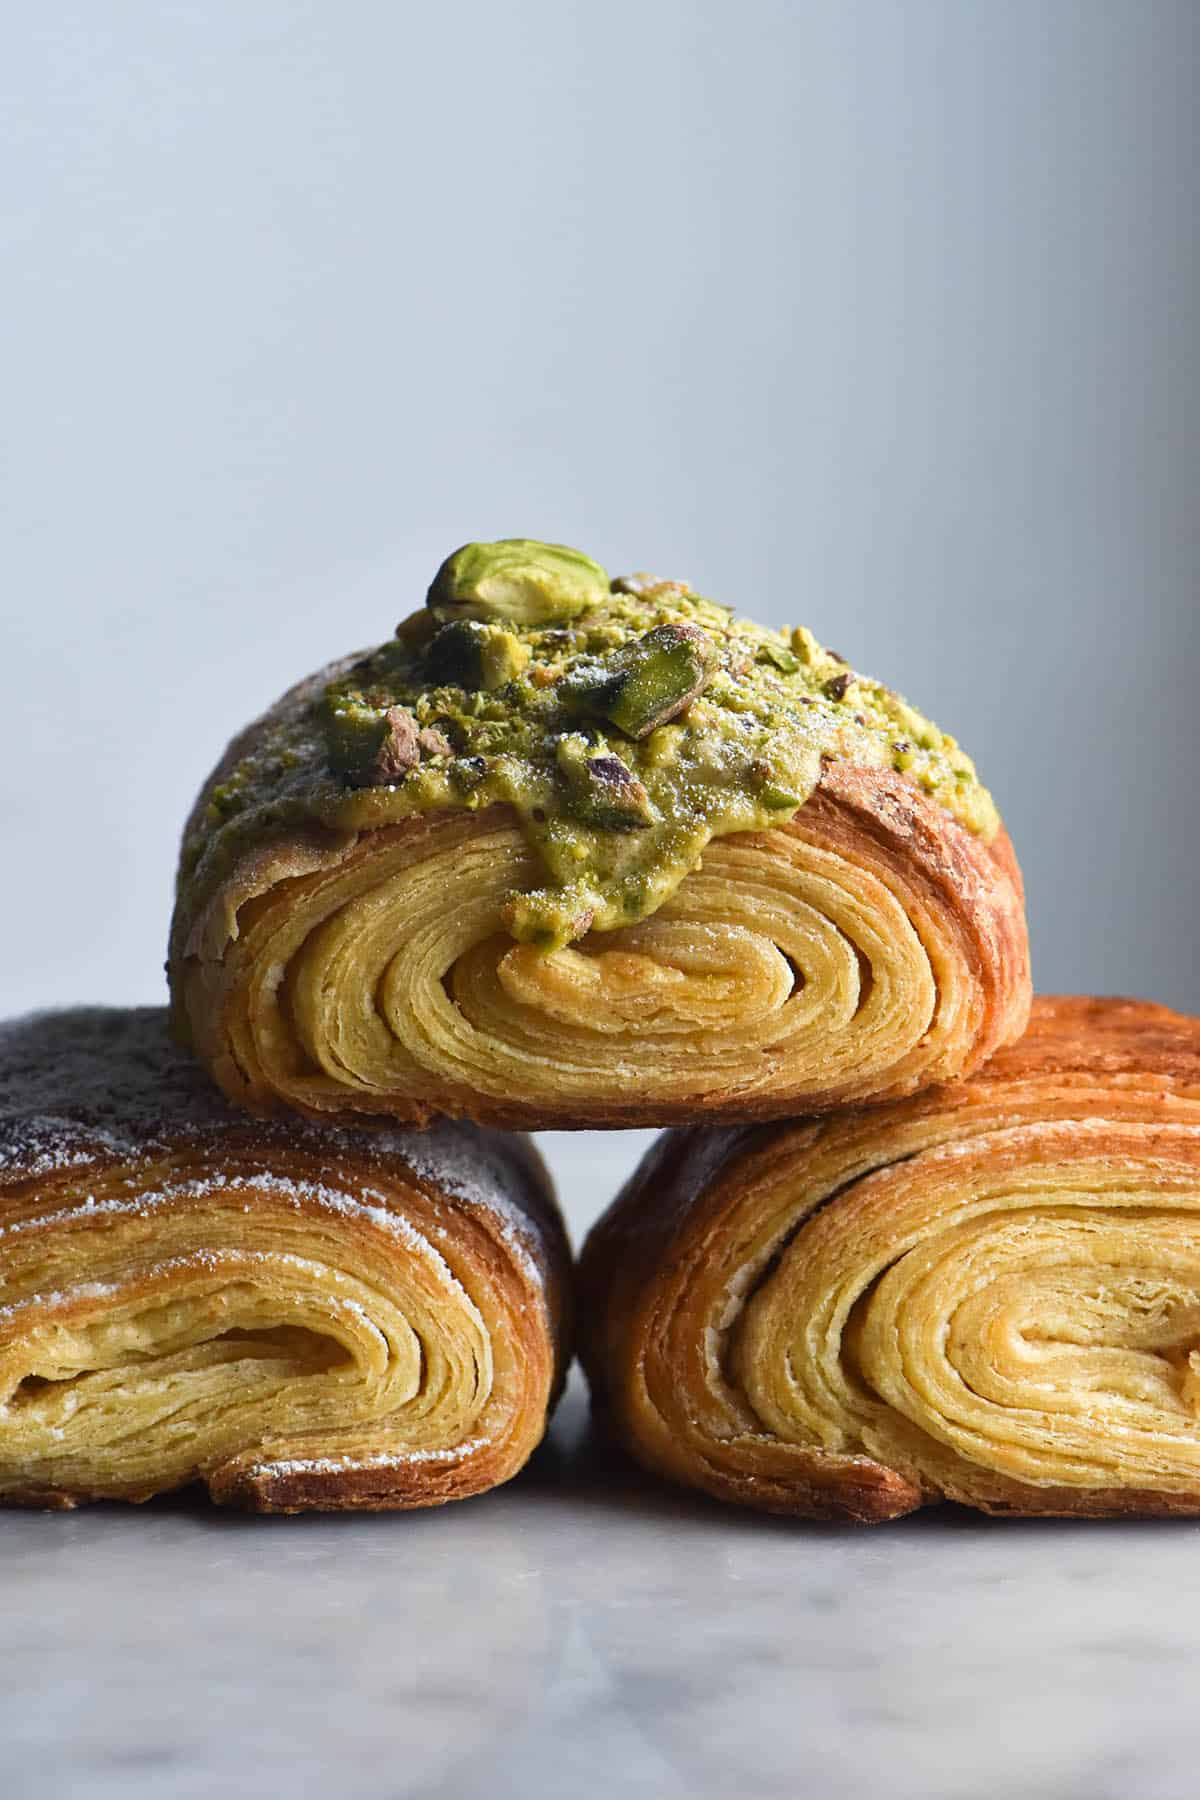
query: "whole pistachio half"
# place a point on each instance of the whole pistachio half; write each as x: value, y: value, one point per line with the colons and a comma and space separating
x: 517, y: 581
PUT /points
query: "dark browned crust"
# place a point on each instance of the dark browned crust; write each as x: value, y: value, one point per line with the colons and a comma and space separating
x: 973, y: 888
x: 1084, y: 1059
x: 100, y: 1096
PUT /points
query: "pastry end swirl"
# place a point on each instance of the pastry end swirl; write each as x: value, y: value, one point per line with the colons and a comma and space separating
x: 987, y: 1293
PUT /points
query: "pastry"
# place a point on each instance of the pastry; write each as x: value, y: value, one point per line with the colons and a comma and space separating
x: 567, y: 852
x: 989, y: 1293
x: 299, y: 1316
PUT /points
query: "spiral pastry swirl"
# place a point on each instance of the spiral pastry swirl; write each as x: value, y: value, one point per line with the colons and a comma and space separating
x: 866, y: 948
x: 298, y: 1317
x: 989, y: 1293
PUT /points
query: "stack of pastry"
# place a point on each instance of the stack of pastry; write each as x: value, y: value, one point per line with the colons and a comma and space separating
x: 573, y: 852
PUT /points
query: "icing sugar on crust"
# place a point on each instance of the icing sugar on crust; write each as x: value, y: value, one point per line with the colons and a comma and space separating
x: 95, y: 1085
x: 119, y: 1167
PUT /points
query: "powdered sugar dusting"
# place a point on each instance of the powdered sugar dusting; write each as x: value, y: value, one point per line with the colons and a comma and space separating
x: 92, y: 1081
x: 472, y: 1169
x: 59, y: 1298
x: 370, y: 1205
x: 94, y: 1085
x: 370, y: 1459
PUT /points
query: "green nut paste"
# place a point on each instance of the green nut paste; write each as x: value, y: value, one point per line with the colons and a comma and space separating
x: 626, y: 722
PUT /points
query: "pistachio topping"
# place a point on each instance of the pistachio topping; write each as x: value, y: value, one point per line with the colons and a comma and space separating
x: 466, y: 654
x: 372, y: 746
x: 363, y: 739
x: 626, y: 725
x: 519, y: 580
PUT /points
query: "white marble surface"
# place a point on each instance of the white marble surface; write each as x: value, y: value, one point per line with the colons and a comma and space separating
x: 586, y: 1632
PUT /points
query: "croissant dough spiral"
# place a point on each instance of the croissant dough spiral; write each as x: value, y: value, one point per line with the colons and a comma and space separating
x: 866, y: 948
x: 988, y: 1293
x: 298, y: 1316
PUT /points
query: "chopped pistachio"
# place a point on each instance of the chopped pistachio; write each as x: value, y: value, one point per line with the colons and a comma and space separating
x: 779, y: 655
x: 377, y: 746
x: 601, y: 789
x: 806, y: 646
x: 355, y: 732
x: 400, y: 749
x: 649, y: 587
x: 226, y: 800
x: 468, y: 654
x: 651, y: 680
x: 767, y: 790
x: 777, y: 799
x: 467, y: 772
x: 434, y: 742
x: 519, y: 580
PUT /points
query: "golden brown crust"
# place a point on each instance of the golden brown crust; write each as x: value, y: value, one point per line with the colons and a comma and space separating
x: 988, y: 1292
x: 299, y: 1316
x: 868, y: 948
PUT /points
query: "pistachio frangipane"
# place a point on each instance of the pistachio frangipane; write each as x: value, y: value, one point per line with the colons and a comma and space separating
x: 572, y: 850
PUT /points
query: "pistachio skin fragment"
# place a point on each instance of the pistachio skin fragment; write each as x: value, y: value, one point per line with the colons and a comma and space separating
x: 468, y: 654
x: 519, y: 580
x: 400, y: 750
x: 433, y: 742
x: 650, y: 681
x: 650, y: 587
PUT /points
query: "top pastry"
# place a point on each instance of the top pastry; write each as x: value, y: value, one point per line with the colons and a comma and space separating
x: 573, y: 851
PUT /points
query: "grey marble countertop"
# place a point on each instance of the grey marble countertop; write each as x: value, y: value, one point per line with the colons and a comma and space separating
x: 586, y: 1632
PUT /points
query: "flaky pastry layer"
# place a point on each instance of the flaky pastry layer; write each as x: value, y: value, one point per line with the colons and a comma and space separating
x: 865, y: 949
x: 989, y: 1293
x: 298, y: 1316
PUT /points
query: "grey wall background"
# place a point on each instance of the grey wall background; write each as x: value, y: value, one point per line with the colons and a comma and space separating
x: 878, y: 316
